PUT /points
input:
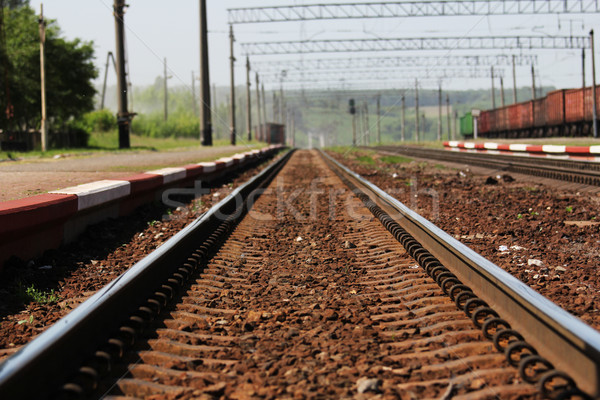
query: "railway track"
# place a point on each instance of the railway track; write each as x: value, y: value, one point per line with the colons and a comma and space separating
x: 308, y: 294
x: 582, y: 172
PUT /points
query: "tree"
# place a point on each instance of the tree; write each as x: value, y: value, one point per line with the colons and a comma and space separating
x: 69, y: 72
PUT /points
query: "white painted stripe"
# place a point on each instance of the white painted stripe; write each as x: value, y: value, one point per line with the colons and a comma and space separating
x: 208, y: 166
x: 490, y: 146
x: 469, y: 145
x: 170, y: 174
x: 99, y: 192
x: 552, y: 148
x: 595, y: 149
x: 518, y: 147
x: 453, y: 143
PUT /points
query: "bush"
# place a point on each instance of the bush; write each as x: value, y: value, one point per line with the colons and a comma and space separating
x: 100, y: 121
x: 178, y: 125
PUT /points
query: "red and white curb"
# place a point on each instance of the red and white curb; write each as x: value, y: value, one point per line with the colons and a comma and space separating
x: 575, y: 152
x: 34, y: 224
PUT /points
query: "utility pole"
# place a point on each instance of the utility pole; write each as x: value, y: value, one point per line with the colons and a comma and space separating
x: 258, y: 108
x: 367, y: 127
x: 195, y: 104
x: 417, y: 110
x: 353, y: 130
x: 454, y: 123
x: 109, y: 57
x: 123, y: 117
x: 595, y: 112
x: 424, y: 129
x: 205, y: 117
x: 583, y: 67
x: 265, y: 131
x: 281, y: 101
x: 232, y: 86
x: 448, y: 114
x: 502, y: 92
x: 275, y: 107
x: 403, y: 131
x: 532, y: 82
x: 248, y: 101
x: 43, y: 127
x: 293, y: 128
x: 379, y: 118
x: 514, y: 80
x: 439, y: 129
x: 166, y: 92
x: 493, y: 91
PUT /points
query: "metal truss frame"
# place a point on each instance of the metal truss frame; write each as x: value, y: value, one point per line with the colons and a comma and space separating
x: 321, y: 64
x: 431, y: 8
x: 420, y: 44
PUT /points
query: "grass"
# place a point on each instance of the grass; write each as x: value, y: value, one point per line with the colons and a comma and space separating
x: 395, y: 159
x: 109, y: 143
x: 365, y: 160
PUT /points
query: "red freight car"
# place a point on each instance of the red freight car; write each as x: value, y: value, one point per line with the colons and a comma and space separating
x: 555, y: 108
x: 483, y: 123
x: 561, y: 112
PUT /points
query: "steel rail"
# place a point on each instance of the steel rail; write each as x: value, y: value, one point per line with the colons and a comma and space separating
x: 583, y: 172
x: 55, y: 355
x: 566, y: 341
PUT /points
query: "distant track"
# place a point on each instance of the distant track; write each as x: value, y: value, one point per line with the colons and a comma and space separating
x: 582, y: 172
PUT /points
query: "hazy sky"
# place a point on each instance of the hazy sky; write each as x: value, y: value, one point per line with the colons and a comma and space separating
x: 158, y: 29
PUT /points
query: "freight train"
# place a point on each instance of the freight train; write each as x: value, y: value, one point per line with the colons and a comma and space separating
x: 564, y: 112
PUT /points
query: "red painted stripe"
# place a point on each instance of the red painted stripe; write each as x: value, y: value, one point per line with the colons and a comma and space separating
x: 219, y: 165
x: 144, y: 182
x: 534, y: 149
x: 30, y: 212
x: 577, y: 149
x: 505, y: 147
x: 480, y: 146
x: 193, y: 170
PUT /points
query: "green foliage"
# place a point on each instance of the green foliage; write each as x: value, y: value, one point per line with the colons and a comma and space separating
x: 69, y: 72
x: 100, y: 121
x: 154, y: 125
x: 365, y: 160
x: 30, y: 293
x: 395, y: 159
x: 569, y: 209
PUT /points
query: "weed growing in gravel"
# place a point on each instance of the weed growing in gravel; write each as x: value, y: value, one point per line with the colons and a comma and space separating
x: 152, y: 223
x: 395, y: 159
x: 569, y: 209
x: 519, y: 216
x: 39, y: 296
x: 365, y: 160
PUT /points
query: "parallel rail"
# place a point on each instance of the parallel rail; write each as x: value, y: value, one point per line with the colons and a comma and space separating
x: 582, y: 172
x: 34, y: 372
x: 568, y: 343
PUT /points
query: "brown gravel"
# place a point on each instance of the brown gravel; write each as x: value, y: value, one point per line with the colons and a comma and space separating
x: 311, y: 298
x: 68, y: 276
x: 548, y: 238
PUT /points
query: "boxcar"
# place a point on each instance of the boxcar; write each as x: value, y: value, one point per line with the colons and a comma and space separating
x: 466, y: 124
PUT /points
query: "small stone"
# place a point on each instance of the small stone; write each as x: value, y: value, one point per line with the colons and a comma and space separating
x: 349, y: 245
x: 491, y: 181
x: 368, y: 385
x: 533, y: 261
x: 560, y: 269
x: 45, y: 267
x: 299, y: 239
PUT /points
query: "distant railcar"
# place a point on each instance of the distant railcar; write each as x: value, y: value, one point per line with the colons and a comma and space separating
x: 566, y: 112
x: 271, y: 133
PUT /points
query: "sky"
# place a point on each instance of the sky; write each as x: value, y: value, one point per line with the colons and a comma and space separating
x: 169, y: 29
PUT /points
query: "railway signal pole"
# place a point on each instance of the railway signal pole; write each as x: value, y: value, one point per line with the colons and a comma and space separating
x: 532, y: 83
x: 123, y: 116
x: 43, y: 127
x: 205, y: 117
